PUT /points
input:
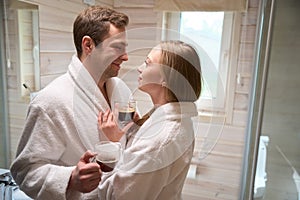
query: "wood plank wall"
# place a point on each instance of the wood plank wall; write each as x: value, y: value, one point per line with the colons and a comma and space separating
x: 218, y: 175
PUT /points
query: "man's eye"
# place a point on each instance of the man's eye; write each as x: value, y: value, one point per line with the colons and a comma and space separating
x: 119, y: 48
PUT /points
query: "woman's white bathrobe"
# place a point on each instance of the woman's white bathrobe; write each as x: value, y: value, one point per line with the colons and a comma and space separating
x: 61, y: 125
x: 156, y: 163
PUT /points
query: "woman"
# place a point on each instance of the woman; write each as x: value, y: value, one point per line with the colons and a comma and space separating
x: 156, y: 162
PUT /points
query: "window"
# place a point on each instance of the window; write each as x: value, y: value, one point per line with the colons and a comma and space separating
x: 210, y: 33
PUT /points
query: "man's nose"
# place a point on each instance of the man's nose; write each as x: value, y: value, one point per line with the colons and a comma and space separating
x: 124, y: 57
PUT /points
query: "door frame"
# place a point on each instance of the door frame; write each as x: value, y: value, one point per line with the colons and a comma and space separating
x: 4, y: 132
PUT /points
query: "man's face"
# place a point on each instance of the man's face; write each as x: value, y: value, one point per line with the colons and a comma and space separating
x: 106, y: 59
x: 115, y: 50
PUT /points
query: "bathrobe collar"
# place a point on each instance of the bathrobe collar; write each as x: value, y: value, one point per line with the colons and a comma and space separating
x: 162, y: 139
x: 87, y: 84
x: 88, y: 101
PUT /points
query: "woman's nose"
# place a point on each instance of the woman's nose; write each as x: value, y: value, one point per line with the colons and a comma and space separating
x: 141, y: 67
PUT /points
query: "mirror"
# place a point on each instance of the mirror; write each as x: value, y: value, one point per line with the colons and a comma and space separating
x: 27, y: 37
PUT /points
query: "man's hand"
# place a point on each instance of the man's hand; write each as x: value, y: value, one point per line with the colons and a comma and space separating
x: 86, y: 176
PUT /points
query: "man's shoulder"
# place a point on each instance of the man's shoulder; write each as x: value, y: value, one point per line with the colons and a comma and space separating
x: 54, y: 91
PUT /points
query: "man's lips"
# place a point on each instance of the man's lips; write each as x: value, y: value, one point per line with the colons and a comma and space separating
x: 117, y: 65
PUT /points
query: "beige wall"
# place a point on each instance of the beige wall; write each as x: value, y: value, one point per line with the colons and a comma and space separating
x: 218, y: 175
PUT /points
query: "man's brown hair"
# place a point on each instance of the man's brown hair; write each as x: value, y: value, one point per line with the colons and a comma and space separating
x: 95, y: 22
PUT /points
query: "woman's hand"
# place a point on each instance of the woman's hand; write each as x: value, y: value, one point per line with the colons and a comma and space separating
x: 108, y: 124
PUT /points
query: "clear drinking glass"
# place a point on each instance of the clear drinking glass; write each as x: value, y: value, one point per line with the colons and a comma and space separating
x: 108, y: 154
x: 125, y: 110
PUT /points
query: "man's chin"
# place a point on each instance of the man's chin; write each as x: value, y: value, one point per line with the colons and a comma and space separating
x: 115, y: 74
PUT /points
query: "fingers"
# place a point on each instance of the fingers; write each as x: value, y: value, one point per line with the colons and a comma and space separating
x: 86, y: 156
x: 90, y: 171
x: 110, y: 117
x: 100, y: 116
x: 94, y: 185
x: 86, y: 176
x: 105, y: 115
x: 108, y: 124
x: 127, y: 127
x: 90, y: 174
x: 90, y: 181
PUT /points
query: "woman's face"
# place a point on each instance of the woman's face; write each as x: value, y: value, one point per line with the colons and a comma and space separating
x: 150, y: 78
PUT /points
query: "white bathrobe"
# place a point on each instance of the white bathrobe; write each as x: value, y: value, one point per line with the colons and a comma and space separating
x: 61, y: 125
x: 156, y: 164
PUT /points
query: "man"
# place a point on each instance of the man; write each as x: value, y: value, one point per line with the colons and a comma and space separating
x: 61, y: 122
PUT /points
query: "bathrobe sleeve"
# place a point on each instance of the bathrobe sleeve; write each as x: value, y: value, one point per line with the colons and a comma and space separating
x: 124, y: 185
x: 32, y: 169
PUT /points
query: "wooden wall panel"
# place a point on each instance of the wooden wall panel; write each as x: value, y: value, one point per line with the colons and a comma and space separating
x: 134, y: 3
x: 14, y: 139
x: 51, y: 41
x: 244, y: 86
x: 240, y: 118
x: 241, y: 101
x: 143, y: 16
x: 248, y: 33
x: 55, y: 63
x: 245, y: 67
x: 51, y: 18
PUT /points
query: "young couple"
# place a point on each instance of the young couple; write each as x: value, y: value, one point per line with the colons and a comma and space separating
x: 62, y: 125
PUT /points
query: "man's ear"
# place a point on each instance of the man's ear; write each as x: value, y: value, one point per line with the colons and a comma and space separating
x: 87, y: 44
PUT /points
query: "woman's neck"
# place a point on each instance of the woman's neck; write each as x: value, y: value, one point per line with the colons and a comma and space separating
x: 158, y: 98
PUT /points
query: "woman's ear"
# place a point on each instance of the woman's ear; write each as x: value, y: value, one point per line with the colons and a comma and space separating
x: 87, y: 45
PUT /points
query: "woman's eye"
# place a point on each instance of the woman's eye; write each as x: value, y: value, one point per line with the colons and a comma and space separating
x: 146, y: 63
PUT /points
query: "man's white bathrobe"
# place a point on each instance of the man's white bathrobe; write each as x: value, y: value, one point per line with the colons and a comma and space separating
x: 61, y: 125
x: 156, y: 163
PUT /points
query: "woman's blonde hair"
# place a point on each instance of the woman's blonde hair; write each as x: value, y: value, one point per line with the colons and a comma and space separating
x: 181, y: 70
